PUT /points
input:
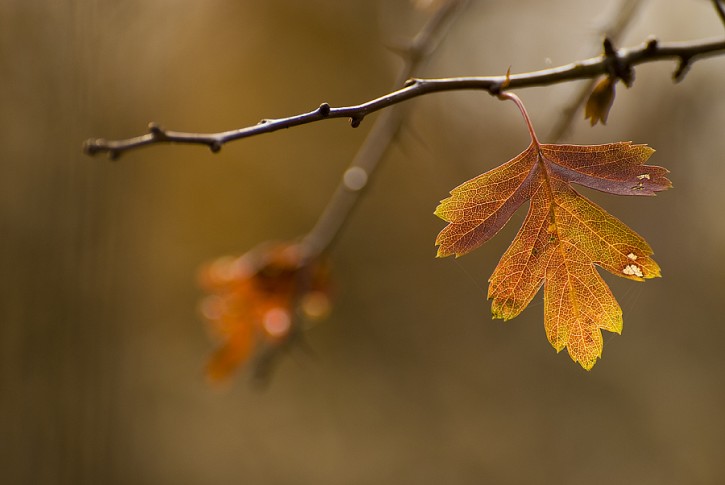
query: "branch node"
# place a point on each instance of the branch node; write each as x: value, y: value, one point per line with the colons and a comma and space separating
x: 324, y: 110
x: 410, y: 82
x: 496, y: 88
x: 626, y: 75
x: 416, y: 51
x: 114, y: 155
x: 356, y: 120
x: 215, y: 146
x: 156, y: 131
x: 263, y: 122
x: 615, y: 66
x: 399, y: 47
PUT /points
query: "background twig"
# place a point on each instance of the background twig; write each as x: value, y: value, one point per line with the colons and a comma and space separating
x: 356, y: 177
x: 720, y: 10
x: 381, y: 135
x: 613, y: 32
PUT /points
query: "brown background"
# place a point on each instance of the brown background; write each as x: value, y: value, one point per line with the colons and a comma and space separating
x: 409, y: 381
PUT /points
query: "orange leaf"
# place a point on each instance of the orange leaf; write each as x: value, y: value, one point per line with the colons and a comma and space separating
x: 254, y: 298
x: 563, y: 236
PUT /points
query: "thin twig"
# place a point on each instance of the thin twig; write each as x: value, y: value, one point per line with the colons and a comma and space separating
x: 613, y: 32
x: 720, y: 10
x: 650, y: 51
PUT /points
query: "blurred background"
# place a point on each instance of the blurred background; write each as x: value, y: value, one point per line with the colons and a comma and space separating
x: 102, y: 347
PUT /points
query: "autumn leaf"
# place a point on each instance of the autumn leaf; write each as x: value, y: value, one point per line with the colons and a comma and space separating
x: 563, y: 236
x: 254, y: 300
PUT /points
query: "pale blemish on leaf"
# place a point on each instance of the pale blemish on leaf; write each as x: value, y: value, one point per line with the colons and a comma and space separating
x: 632, y: 256
x: 633, y: 270
x: 643, y: 176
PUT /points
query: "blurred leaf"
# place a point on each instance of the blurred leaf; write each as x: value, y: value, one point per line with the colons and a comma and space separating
x: 254, y: 301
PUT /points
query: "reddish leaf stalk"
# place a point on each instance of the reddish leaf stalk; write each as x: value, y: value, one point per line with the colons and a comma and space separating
x: 524, y: 113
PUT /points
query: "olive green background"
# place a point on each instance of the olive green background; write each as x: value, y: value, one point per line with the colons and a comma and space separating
x: 409, y: 380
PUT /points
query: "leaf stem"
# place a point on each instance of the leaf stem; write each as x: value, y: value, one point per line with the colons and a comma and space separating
x: 524, y: 113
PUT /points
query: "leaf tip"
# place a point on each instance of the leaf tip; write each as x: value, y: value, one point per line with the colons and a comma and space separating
x: 438, y: 212
x: 587, y: 361
x: 441, y: 252
x: 502, y: 316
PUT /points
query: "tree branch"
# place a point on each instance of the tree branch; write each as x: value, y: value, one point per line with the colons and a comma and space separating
x: 650, y: 51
